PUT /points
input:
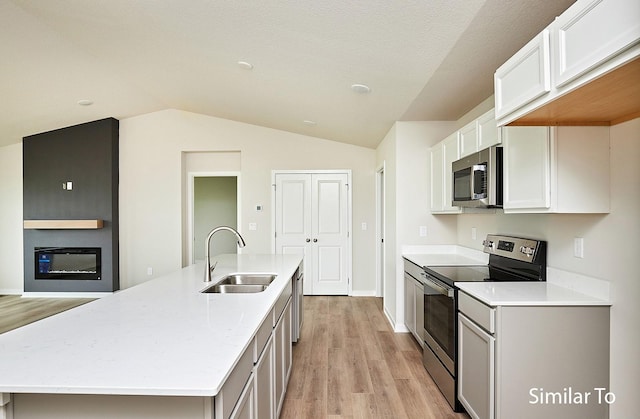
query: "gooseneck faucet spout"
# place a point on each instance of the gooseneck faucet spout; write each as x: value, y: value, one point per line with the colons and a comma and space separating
x: 207, y: 249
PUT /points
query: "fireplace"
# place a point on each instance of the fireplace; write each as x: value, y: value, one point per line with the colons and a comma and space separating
x: 67, y: 263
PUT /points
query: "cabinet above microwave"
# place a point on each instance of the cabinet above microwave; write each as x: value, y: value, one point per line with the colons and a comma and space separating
x: 583, y: 69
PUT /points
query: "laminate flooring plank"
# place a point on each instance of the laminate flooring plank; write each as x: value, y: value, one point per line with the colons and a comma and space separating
x: 349, y: 363
x: 16, y: 311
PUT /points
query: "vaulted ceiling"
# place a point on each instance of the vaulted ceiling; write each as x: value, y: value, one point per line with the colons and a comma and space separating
x: 422, y: 59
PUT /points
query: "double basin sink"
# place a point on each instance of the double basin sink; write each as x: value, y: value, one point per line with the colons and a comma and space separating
x: 241, y: 283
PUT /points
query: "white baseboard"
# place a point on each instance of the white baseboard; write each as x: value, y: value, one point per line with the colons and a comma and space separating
x: 401, y: 328
x: 66, y: 294
x: 369, y: 293
x: 397, y: 328
x: 10, y: 291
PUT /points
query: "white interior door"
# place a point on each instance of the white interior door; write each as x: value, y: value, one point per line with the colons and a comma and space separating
x: 293, y: 217
x: 312, y: 219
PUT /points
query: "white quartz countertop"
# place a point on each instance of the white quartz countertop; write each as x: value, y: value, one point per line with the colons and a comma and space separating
x: 162, y: 337
x: 527, y: 294
x: 443, y: 255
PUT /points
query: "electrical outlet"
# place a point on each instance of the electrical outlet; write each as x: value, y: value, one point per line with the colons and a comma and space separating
x: 149, y: 271
x: 364, y: 226
x: 423, y: 231
x: 474, y: 233
x: 578, y: 247
x: 253, y: 226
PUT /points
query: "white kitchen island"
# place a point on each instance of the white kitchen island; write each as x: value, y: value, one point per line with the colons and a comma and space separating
x: 161, y: 349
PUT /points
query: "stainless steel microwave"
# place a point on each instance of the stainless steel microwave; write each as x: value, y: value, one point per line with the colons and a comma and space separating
x: 477, y: 179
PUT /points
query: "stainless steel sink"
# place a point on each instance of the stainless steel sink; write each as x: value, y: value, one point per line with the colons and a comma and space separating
x: 248, y: 279
x: 241, y: 283
x: 234, y: 289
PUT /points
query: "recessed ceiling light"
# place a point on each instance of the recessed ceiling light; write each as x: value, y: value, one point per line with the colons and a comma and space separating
x: 360, y: 88
x: 85, y: 102
x: 310, y: 122
x: 245, y: 65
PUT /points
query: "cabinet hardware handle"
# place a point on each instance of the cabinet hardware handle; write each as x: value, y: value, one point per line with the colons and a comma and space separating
x: 308, y: 240
x: 315, y: 240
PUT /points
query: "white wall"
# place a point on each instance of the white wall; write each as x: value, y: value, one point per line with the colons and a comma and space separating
x: 610, y: 254
x: 405, y: 152
x: 386, y: 155
x: 11, y: 243
x: 151, y: 207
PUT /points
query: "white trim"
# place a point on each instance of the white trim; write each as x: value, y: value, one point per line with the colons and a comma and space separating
x: 380, y: 229
x: 365, y: 293
x: 66, y: 294
x: 389, y: 319
x: 11, y: 291
x: 190, y: 208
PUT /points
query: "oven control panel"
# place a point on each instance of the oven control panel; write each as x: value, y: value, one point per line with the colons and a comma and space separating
x: 512, y: 247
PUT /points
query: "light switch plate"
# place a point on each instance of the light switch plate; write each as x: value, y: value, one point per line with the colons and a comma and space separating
x: 253, y: 226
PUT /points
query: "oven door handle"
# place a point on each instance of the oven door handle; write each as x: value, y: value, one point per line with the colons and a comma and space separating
x: 442, y: 289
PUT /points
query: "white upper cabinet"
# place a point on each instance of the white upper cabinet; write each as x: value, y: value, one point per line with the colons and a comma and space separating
x: 525, y: 77
x: 527, y: 159
x: 479, y: 134
x: 588, y: 51
x: 556, y: 169
x: 468, y: 139
x: 488, y: 132
x: 442, y: 155
x: 590, y: 32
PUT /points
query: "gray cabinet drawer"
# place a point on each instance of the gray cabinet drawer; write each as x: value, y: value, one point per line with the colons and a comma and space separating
x: 482, y: 314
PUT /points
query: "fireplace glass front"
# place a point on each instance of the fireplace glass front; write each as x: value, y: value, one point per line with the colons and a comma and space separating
x: 67, y: 263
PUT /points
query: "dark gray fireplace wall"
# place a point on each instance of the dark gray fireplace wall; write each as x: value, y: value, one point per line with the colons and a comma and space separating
x: 87, y: 156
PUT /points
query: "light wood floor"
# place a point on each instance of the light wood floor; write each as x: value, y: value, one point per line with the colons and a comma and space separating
x: 16, y: 311
x: 350, y: 364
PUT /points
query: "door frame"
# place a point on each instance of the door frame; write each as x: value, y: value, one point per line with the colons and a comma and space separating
x: 380, y: 229
x: 191, y: 207
x: 349, y: 214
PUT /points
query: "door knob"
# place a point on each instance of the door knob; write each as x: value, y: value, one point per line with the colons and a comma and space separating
x: 315, y: 240
x: 308, y: 240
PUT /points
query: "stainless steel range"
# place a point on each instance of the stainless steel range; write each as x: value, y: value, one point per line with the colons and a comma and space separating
x: 510, y: 259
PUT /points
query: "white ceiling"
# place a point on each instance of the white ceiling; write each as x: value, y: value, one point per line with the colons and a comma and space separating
x: 423, y: 59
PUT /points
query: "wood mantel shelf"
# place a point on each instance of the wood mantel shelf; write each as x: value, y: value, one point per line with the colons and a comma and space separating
x: 63, y: 224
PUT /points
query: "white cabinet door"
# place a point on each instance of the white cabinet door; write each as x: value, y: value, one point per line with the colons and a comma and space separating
x: 437, y: 177
x: 591, y: 32
x: 451, y: 153
x: 476, y: 369
x: 527, y: 171
x: 524, y: 77
x: 442, y: 155
x: 488, y: 131
x: 409, y: 304
x: 311, y: 219
x: 468, y: 139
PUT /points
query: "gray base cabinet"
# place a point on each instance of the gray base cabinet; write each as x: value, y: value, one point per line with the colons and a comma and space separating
x: 533, y: 361
x: 283, y: 358
x: 414, y: 301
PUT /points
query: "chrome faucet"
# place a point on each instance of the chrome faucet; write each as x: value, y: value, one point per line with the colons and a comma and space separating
x: 207, y: 248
